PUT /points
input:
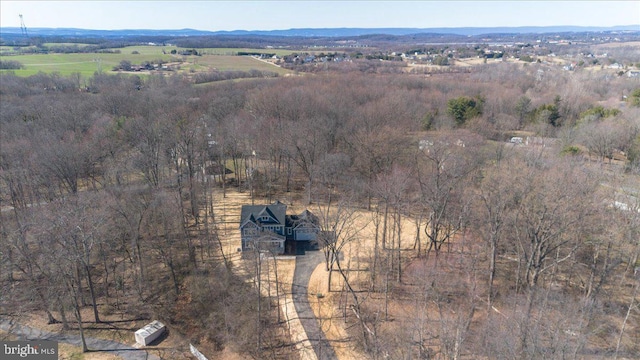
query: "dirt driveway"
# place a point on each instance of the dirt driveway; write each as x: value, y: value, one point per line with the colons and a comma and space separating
x: 305, y: 265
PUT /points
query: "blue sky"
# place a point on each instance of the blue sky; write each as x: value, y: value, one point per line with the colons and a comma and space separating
x: 270, y: 15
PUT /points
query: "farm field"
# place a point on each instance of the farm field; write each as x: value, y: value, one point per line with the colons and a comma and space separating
x: 86, y: 64
x: 228, y: 63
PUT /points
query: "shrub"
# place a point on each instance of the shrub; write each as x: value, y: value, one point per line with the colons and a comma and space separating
x: 10, y: 65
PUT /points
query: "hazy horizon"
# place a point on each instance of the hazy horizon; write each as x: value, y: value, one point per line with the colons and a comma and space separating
x: 283, y: 15
x: 331, y: 28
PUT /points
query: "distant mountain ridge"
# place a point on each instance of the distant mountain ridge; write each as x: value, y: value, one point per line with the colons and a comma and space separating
x: 318, y: 32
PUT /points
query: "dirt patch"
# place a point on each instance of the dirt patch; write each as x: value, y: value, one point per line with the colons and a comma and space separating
x: 70, y: 352
x: 328, y: 306
x: 332, y: 323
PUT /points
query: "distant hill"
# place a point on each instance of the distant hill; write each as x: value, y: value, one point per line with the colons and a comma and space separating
x: 322, y: 32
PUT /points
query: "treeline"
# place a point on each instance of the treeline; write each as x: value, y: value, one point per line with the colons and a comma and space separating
x: 115, y: 180
x: 212, y: 76
x: 37, y: 47
x: 238, y: 42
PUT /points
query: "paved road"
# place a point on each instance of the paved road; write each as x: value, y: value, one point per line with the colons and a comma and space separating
x: 305, y: 264
x: 124, y: 351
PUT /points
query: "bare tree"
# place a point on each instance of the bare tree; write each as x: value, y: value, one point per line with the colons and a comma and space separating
x: 442, y: 168
x: 129, y: 211
x: 163, y: 228
x: 374, y: 149
x: 554, y: 210
x: 148, y: 137
x: 603, y: 138
x: 71, y: 235
x: 341, y: 225
x: 496, y: 200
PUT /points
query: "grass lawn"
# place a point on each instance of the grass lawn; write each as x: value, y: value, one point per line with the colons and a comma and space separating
x: 88, y: 63
x: 85, y: 64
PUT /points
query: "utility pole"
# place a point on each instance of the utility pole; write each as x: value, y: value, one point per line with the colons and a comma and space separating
x: 23, y: 28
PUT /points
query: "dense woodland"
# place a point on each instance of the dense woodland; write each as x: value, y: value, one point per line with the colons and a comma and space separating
x: 519, y: 250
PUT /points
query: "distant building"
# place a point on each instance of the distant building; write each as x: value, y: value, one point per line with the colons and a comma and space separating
x: 424, y: 144
x: 633, y: 73
x: 268, y: 227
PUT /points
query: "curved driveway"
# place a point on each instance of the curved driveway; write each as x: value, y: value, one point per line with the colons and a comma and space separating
x: 124, y: 351
x: 305, y: 264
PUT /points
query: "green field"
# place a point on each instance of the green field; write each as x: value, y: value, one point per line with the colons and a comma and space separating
x: 85, y: 64
x: 88, y: 63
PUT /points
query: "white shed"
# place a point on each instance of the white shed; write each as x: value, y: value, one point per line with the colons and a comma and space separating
x: 149, y: 332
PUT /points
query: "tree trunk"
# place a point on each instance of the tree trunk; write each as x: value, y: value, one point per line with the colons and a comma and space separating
x: 176, y: 286
x: 275, y: 269
x: 399, y: 278
x: 384, y: 225
x: 63, y: 315
x: 94, y: 303
x: 259, y: 296
x: 626, y: 318
x: 492, y: 272
x: 80, y: 328
x: 330, y: 273
x: 140, y: 263
x: 376, y: 249
x: 418, y: 244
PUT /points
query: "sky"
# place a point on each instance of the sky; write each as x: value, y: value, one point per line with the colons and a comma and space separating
x: 281, y: 15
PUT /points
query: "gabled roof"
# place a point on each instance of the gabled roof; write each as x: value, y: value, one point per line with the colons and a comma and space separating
x: 250, y: 219
x: 253, y: 213
x: 267, y: 212
x: 306, y: 217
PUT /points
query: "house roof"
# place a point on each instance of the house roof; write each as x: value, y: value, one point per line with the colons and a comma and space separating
x: 217, y: 169
x: 253, y: 213
x: 304, y: 217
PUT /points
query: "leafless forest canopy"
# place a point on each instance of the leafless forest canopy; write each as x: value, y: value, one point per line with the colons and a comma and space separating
x: 517, y: 250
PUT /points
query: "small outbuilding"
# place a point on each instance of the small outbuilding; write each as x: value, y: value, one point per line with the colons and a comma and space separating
x: 150, y: 332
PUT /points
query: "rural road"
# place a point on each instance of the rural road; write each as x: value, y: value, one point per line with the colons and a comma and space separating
x: 124, y: 351
x: 305, y: 264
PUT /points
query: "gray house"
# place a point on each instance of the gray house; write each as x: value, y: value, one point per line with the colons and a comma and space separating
x: 270, y: 228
